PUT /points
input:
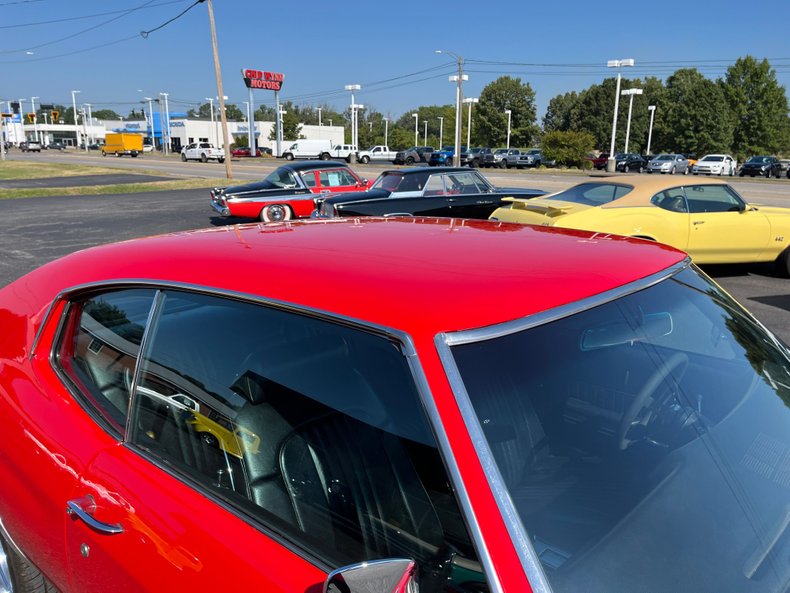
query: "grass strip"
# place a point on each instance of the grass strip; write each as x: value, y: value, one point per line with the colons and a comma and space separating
x: 124, y: 188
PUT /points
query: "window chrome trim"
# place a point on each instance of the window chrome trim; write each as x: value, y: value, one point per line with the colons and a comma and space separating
x: 445, y: 341
x: 408, y: 350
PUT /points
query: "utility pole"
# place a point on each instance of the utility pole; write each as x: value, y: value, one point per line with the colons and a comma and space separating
x: 220, y: 94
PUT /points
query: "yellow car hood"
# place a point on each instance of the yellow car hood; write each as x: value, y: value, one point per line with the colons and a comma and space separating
x: 536, y: 211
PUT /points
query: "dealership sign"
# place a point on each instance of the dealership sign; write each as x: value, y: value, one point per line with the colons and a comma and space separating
x: 258, y: 79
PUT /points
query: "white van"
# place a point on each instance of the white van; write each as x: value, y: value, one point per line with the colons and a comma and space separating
x: 308, y: 149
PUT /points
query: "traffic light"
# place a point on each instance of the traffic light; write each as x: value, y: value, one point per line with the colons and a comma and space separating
x: 31, y: 117
x: 55, y: 114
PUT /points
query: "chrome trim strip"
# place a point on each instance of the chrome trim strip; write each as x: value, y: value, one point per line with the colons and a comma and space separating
x: 7, y: 537
x: 511, y: 327
x: 44, y: 323
x: 444, y: 341
x: 153, y: 314
x: 445, y: 450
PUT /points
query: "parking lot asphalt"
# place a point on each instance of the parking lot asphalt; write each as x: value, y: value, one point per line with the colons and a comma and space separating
x: 79, y: 180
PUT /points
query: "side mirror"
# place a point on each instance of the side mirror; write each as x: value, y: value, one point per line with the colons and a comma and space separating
x: 393, y: 575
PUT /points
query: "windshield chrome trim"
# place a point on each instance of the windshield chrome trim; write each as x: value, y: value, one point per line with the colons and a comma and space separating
x: 444, y: 341
x: 408, y: 350
x: 510, y: 327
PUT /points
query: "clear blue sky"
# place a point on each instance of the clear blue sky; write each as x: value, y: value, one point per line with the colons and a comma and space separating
x: 323, y: 46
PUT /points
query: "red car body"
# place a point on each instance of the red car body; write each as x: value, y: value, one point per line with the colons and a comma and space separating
x: 242, y: 152
x: 288, y: 192
x: 409, y: 283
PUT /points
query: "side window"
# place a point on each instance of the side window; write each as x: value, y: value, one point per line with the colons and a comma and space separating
x: 465, y: 183
x: 336, y: 178
x: 434, y: 186
x: 312, y: 428
x: 712, y: 198
x: 308, y: 177
x: 673, y: 199
x: 99, y: 346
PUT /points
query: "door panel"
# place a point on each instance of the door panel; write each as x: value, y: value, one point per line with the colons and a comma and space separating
x: 174, y: 538
x: 728, y: 237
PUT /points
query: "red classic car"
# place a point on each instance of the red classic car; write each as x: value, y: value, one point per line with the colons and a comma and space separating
x: 287, y: 192
x: 473, y: 405
x: 243, y: 152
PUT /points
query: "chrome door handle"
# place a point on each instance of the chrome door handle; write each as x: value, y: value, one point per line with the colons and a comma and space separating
x: 83, y: 507
x: 698, y: 222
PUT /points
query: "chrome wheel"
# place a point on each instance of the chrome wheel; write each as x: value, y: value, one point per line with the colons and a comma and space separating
x: 275, y: 213
x: 6, y: 585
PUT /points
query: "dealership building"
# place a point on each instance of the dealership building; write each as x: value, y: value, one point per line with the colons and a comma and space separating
x: 183, y: 131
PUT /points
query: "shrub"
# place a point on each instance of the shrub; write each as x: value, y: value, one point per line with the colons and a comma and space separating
x: 569, y: 149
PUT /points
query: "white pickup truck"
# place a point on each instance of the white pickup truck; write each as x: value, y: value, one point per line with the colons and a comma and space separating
x: 202, y: 151
x: 376, y: 154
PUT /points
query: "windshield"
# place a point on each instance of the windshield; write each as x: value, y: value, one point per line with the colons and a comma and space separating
x: 281, y: 178
x: 714, y: 158
x: 643, y: 444
x: 592, y: 194
x: 665, y: 157
x: 501, y: 151
x: 388, y: 181
x: 758, y: 160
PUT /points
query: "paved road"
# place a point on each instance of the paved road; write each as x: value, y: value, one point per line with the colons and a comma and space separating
x: 34, y: 231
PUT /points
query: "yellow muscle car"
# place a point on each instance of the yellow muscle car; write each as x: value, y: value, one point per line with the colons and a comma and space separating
x: 706, y: 218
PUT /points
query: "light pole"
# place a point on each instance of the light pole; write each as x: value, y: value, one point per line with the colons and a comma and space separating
x: 213, y: 127
x: 150, y: 116
x: 508, y: 127
x: 352, y: 88
x: 652, y: 110
x: 631, y: 93
x: 166, y: 127
x: 425, y: 134
x: 610, y: 164
x: 89, y: 130
x: 416, y: 118
x: 319, y: 116
x: 74, y: 107
x: 459, y: 78
x: 35, y: 122
x: 471, y: 102
x: 386, y: 130
x: 330, y: 123
x: 441, y: 130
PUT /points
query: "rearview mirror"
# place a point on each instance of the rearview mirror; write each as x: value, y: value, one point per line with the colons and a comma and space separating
x: 622, y: 331
x: 393, y: 575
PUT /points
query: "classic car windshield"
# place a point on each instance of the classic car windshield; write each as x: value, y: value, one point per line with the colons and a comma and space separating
x: 641, y: 445
x: 388, y: 181
x: 592, y: 194
x: 282, y: 178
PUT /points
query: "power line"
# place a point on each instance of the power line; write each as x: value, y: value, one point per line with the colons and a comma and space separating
x: 84, y: 17
x: 145, y: 34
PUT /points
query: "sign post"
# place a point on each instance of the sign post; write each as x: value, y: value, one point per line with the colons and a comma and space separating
x: 271, y: 81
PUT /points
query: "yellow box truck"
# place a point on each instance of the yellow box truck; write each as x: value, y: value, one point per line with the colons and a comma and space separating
x: 118, y: 144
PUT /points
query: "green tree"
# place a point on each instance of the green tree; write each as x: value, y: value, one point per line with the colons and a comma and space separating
x: 292, y: 125
x: 560, y: 113
x: 759, y: 108
x: 694, y: 118
x: 109, y: 114
x: 491, y: 119
x: 568, y: 148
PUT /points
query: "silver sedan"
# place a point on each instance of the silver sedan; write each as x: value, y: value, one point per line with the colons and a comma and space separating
x: 669, y: 163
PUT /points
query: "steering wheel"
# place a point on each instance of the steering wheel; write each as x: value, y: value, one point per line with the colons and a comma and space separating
x: 671, y: 369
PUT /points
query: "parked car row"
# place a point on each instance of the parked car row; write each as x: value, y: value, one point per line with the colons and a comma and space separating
x: 330, y: 189
x: 710, y: 164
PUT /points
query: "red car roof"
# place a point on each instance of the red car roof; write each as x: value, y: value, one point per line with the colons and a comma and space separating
x: 414, y: 274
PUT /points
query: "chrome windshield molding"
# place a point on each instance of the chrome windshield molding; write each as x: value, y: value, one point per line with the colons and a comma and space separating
x: 511, y: 327
x: 526, y: 553
x: 445, y: 450
x: 44, y: 322
x: 530, y: 561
